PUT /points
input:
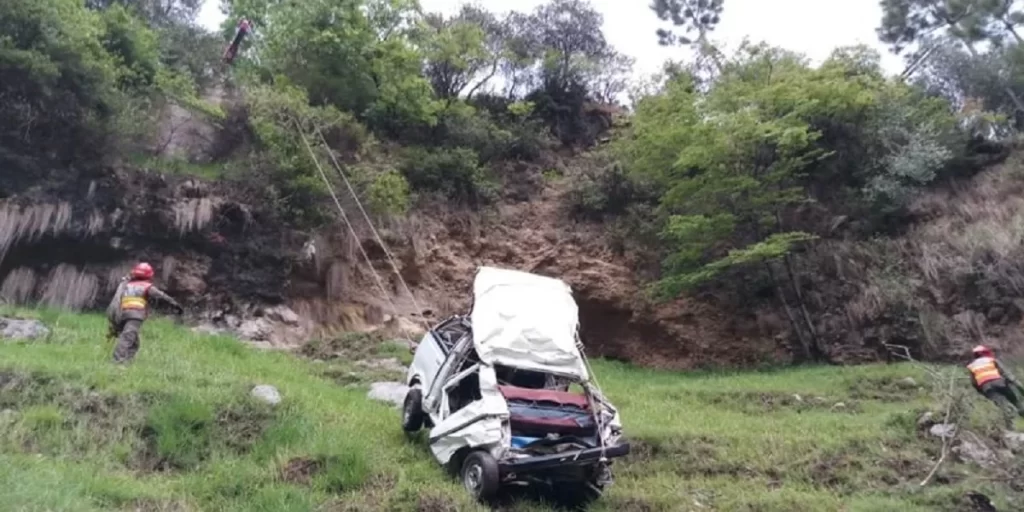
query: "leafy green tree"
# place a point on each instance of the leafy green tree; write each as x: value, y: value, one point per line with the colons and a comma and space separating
x: 353, y: 54
x: 284, y: 123
x: 71, y: 79
x: 523, y: 50
x: 770, y: 135
x: 455, y: 53
x: 155, y: 12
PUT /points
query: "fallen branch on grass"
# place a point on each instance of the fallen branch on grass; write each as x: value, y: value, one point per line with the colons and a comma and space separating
x: 946, y: 440
x: 950, y: 400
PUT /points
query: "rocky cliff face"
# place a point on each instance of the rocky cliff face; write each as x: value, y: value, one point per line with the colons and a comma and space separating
x: 239, y: 268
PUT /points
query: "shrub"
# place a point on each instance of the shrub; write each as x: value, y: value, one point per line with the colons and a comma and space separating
x: 462, y: 125
x: 608, y: 191
x: 389, y: 193
x: 454, y: 173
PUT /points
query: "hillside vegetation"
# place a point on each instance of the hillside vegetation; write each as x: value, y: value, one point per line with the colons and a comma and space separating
x: 178, y: 431
x: 748, y: 183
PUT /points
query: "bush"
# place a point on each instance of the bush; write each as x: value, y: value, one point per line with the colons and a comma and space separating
x: 389, y: 193
x: 461, y: 125
x: 280, y: 116
x: 454, y: 173
x: 608, y: 191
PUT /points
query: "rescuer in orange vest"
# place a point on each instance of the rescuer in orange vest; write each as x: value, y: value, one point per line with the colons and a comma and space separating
x: 993, y: 380
x: 130, y: 307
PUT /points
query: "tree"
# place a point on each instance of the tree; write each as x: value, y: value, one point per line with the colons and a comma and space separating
x: 69, y: 75
x: 576, y: 59
x: 155, y: 12
x: 356, y: 55
x: 522, y: 52
x: 772, y: 133
x: 570, y: 33
x: 454, y: 51
x: 497, y: 34
x: 696, y: 19
x: 691, y: 16
x: 608, y: 78
x: 908, y: 22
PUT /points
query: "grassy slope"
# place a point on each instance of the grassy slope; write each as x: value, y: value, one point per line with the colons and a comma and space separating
x: 176, y: 431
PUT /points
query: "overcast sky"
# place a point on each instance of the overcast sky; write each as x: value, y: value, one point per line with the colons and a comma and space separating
x: 811, y: 27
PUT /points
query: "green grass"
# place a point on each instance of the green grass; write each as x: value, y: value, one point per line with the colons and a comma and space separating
x: 177, y: 431
x: 180, y: 166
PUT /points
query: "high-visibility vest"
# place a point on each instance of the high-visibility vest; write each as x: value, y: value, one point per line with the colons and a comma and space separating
x: 135, y: 295
x: 984, y: 370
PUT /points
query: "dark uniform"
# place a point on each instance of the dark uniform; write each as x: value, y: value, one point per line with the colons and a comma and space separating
x: 994, y: 381
x: 129, y: 308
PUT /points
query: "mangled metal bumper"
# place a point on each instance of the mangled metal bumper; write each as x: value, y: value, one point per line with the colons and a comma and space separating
x: 584, y: 457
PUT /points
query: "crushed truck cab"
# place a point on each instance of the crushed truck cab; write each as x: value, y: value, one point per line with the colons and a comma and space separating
x: 507, y: 393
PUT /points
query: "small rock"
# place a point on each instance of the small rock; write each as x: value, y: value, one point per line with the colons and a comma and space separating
x: 839, y: 406
x: 1014, y: 440
x: 907, y: 383
x: 977, y: 453
x: 405, y: 327
x: 8, y: 416
x: 283, y: 314
x: 943, y: 430
x: 268, y: 394
x: 926, y: 420
x: 393, y: 392
x: 257, y: 329
x: 21, y: 329
x: 232, y: 321
x: 798, y: 398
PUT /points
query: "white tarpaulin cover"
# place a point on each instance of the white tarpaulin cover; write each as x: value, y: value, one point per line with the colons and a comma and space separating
x: 526, y: 321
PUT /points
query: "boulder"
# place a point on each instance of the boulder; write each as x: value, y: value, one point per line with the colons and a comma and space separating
x: 1014, y: 440
x: 926, y: 420
x: 393, y: 392
x: 266, y: 393
x: 943, y: 430
x: 970, y: 451
x: 22, y: 329
x: 283, y: 314
x: 257, y: 329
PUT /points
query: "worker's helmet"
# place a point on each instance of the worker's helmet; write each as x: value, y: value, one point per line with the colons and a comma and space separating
x: 982, y: 351
x: 142, y: 271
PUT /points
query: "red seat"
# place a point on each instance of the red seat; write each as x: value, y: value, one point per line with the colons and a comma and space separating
x: 539, y: 412
x: 545, y: 395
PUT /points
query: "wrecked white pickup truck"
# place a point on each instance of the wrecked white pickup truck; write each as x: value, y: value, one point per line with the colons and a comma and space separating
x: 507, y: 393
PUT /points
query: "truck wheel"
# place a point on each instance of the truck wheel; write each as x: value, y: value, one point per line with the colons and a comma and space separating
x: 412, y: 411
x: 480, y: 476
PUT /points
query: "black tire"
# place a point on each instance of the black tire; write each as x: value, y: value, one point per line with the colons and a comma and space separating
x: 412, y: 411
x: 480, y: 476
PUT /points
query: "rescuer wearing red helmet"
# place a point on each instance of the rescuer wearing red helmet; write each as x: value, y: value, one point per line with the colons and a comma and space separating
x: 130, y: 307
x: 992, y: 379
